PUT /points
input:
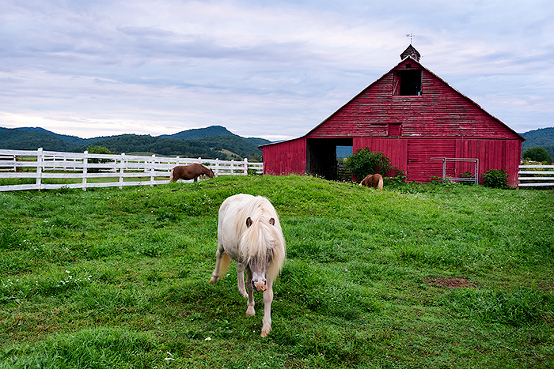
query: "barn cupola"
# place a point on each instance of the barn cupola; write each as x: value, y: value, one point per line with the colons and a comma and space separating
x: 411, y: 52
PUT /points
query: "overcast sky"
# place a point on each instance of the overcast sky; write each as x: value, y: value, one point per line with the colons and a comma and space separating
x: 272, y: 69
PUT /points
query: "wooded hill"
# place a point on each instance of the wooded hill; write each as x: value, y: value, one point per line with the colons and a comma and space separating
x: 211, y: 142
x: 543, y: 137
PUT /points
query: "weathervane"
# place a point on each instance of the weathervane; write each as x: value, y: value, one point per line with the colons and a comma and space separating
x: 411, y: 36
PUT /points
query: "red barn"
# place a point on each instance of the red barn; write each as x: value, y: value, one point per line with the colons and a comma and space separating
x: 411, y: 116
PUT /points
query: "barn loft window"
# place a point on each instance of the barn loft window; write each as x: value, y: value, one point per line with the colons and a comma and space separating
x: 407, y: 83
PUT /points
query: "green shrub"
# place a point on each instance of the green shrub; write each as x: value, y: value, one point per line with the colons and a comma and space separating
x: 496, y: 178
x: 467, y: 175
x: 538, y: 153
x: 366, y: 162
x: 398, y: 180
x: 436, y: 180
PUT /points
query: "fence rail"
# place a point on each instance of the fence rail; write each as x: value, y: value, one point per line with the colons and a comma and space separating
x: 536, y: 175
x: 53, y: 170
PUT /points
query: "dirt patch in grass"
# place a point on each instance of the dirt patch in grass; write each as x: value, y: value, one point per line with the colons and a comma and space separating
x: 451, y: 282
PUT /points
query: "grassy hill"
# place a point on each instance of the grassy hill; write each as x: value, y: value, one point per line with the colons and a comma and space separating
x: 415, y: 276
x: 211, y: 142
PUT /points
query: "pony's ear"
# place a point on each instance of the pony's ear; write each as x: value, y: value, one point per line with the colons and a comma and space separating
x: 272, y: 221
x: 248, y: 222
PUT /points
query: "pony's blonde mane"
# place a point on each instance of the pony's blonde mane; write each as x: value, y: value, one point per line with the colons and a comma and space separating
x: 256, y: 239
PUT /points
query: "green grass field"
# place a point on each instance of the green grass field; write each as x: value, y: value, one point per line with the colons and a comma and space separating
x: 415, y: 276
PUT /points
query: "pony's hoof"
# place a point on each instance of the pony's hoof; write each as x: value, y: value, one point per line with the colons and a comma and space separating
x: 250, y: 312
x: 264, y: 333
x: 213, y: 280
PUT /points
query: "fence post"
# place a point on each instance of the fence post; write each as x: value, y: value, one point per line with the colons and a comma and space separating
x: 85, y: 170
x: 121, y: 170
x: 245, y: 166
x: 152, y: 170
x: 40, y: 159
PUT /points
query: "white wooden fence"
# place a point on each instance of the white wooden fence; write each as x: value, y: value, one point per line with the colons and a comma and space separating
x: 536, y: 175
x: 53, y: 170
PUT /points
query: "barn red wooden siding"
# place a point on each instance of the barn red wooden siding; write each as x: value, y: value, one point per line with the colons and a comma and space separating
x: 440, y: 111
x: 439, y: 122
x: 284, y: 158
x: 412, y: 155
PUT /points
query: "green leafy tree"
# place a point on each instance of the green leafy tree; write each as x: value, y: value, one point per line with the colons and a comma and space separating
x: 537, y: 153
x: 99, y: 150
x: 365, y: 162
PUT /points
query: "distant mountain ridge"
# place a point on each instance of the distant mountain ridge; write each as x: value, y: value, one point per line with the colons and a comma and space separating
x: 210, y: 142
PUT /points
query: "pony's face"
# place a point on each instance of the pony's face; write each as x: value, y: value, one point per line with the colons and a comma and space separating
x: 259, y: 263
x: 259, y: 267
x: 210, y: 173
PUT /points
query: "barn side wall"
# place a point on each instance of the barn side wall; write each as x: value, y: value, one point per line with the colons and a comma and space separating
x: 492, y: 154
x: 413, y: 156
x: 394, y: 149
x: 288, y: 157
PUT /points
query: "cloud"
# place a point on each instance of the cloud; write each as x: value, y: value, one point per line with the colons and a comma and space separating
x: 270, y: 69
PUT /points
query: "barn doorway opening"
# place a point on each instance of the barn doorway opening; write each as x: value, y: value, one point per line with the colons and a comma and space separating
x: 343, y: 152
x: 322, y: 156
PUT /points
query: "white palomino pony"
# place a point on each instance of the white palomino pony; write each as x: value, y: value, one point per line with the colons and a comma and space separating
x: 249, y: 232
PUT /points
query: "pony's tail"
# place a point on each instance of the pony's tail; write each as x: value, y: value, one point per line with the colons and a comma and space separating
x: 224, y: 265
x: 380, y: 184
x: 171, y: 176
